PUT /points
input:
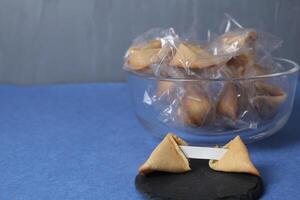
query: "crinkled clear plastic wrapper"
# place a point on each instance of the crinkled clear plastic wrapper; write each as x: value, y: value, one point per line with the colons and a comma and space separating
x: 214, y: 83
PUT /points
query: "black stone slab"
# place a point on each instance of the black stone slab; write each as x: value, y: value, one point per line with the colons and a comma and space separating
x: 200, y: 183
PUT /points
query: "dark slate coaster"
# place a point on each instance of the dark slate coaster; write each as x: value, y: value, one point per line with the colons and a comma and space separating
x: 200, y: 183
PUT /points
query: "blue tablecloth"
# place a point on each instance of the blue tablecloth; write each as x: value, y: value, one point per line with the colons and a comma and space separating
x: 84, y: 142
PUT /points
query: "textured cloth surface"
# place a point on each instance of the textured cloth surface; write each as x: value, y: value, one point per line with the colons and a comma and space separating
x: 84, y: 142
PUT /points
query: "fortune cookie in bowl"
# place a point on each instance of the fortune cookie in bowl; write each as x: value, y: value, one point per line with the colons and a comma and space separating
x: 235, y: 42
x: 268, y: 99
x: 239, y: 65
x: 236, y: 159
x: 165, y: 88
x: 193, y: 57
x: 240, y: 44
x: 167, y: 157
x: 139, y: 58
x: 195, y: 108
x: 228, y: 102
x: 153, y: 44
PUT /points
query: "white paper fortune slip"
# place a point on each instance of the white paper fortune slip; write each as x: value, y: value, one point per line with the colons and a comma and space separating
x: 203, y: 152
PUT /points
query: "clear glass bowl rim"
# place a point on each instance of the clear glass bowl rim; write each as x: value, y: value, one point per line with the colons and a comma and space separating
x: 295, y: 68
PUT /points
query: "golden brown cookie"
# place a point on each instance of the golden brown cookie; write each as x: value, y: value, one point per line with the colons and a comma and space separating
x: 193, y: 56
x: 165, y: 88
x: 241, y: 60
x: 228, y: 102
x: 236, y: 159
x: 153, y: 44
x: 241, y: 45
x: 167, y: 157
x: 268, y: 98
x: 139, y: 59
x: 256, y: 70
x: 195, y: 107
x: 151, y: 53
x: 235, y: 41
x: 238, y: 65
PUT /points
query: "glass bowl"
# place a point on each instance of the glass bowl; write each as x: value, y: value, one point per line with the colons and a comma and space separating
x: 263, y: 105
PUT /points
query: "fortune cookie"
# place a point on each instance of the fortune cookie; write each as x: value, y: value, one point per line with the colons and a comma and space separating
x: 140, y: 59
x: 167, y: 157
x: 195, y: 107
x: 152, y: 53
x: 238, y: 65
x: 235, y: 41
x: 268, y: 99
x: 241, y: 45
x: 193, y: 56
x: 145, y: 71
x: 241, y: 60
x: 236, y: 159
x: 228, y: 103
x: 256, y: 70
x: 197, y: 49
x: 153, y: 44
x: 165, y: 88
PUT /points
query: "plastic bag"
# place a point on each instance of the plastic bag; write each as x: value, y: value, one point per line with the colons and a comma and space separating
x: 216, y: 87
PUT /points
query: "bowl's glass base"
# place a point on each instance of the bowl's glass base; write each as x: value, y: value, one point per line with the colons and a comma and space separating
x: 159, y: 130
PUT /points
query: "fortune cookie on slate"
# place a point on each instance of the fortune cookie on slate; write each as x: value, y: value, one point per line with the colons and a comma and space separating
x: 228, y: 102
x: 268, y: 99
x: 236, y: 159
x: 193, y: 56
x: 195, y: 108
x: 167, y: 157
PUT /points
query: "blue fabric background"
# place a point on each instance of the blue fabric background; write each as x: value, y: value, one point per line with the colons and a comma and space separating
x: 84, y: 142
